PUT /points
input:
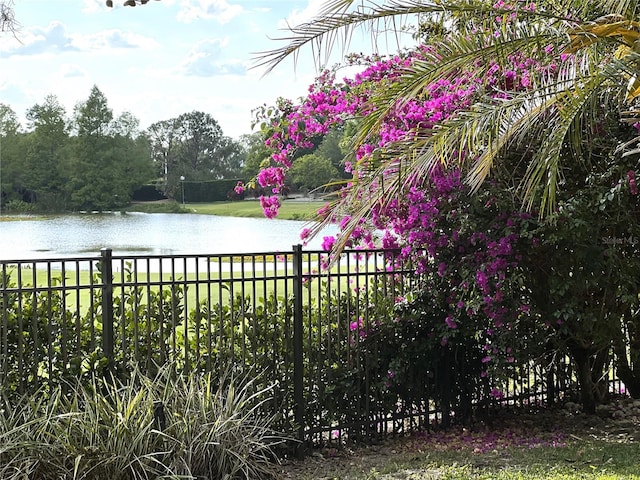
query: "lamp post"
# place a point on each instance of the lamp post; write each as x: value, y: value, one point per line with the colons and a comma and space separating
x: 182, y: 183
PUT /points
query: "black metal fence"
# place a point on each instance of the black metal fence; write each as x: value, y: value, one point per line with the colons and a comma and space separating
x: 288, y: 316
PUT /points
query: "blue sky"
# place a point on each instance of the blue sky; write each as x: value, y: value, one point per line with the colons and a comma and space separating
x: 156, y: 61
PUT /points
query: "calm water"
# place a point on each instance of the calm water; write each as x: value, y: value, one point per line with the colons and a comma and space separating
x: 140, y: 233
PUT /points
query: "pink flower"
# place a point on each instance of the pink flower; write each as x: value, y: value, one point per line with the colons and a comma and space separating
x: 450, y: 323
x: 271, y: 176
x: 270, y: 206
x: 442, y: 268
x: 239, y: 188
x: 356, y: 324
x: 304, y: 235
x: 631, y: 176
x: 328, y: 242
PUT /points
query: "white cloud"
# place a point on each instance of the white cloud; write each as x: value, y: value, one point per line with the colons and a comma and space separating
x: 297, y: 17
x: 93, y: 6
x: 54, y: 39
x: 110, y: 39
x: 204, y: 60
x: 69, y: 70
x: 220, y: 10
x: 148, y: 62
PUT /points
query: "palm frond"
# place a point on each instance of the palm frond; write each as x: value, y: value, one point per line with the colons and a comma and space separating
x: 544, y: 170
x: 449, y: 58
x: 337, y: 21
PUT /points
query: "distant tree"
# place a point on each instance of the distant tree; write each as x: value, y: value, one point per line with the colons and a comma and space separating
x: 106, y: 162
x: 257, y: 154
x: 126, y: 125
x: 164, y: 144
x: 11, y: 153
x: 229, y: 159
x: 9, y: 124
x: 133, y: 152
x: 312, y: 171
x: 192, y: 145
x: 331, y: 149
x: 200, y: 140
x: 47, y: 141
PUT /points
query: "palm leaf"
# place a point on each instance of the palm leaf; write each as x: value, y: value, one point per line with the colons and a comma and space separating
x: 338, y: 19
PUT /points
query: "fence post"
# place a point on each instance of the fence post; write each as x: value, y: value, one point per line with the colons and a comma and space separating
x: 298, y: 354
x: 106, y: 269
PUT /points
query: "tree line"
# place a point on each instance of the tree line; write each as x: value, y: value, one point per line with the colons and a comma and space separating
x: 94, y: 160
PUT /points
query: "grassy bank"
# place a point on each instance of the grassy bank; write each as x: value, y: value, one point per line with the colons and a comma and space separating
x: 553, y: 447
x: 290, y: 210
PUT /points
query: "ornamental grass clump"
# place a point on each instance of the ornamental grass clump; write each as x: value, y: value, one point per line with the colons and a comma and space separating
x: 168, y: 426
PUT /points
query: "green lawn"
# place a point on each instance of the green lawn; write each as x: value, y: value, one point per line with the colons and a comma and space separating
x: 219, y: 285
x: 585, y: 456
x: 290, y: 210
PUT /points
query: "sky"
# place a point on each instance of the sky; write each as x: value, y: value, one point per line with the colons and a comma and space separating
x: 159, y: 60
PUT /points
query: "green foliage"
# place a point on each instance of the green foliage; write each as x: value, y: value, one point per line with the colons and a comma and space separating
x: 107, y: 160
x: 193, y: 146
x: 257, y: 153
x: 246, y: 335
x: 41, y: 334
x: 208, y: 191
x: 313, y: 171
x: 419, y: 366
x: 585, y: 267
x: 19, y: 206
x: 165, y: 426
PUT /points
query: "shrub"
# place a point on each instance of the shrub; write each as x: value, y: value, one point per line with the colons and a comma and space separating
x: 166, y: 426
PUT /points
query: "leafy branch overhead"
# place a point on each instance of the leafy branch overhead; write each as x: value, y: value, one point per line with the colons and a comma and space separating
x: 128, y: 3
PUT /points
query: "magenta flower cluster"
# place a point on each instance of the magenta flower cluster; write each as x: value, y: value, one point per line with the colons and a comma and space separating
x: 474, y: 258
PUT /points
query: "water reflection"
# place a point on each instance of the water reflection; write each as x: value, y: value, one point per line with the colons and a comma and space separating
x: 140, y: 233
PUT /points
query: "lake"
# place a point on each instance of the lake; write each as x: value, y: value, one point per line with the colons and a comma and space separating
x: 143, y: 233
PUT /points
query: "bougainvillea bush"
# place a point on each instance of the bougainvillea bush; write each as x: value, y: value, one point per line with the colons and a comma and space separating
x: 493, y: 279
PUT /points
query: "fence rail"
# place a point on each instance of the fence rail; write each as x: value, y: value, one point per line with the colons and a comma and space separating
x: 283, y: 314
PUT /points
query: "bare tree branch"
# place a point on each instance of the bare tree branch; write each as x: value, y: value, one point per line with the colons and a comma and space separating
x: 8, y: 21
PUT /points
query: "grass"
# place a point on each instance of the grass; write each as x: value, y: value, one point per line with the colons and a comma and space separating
x: 290, y: 210
x: 218, y: 286
x: 576, y: 458
x: 21, y: 218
